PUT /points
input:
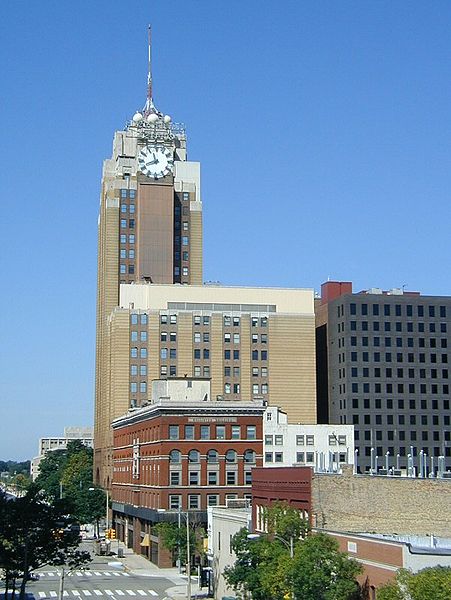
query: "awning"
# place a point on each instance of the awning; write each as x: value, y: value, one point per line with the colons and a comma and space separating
x: 146, y: 540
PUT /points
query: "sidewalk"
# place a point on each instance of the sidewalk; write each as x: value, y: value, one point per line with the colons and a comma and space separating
x: 138, y: 565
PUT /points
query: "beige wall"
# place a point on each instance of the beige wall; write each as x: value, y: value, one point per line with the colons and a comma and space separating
x: 366, y: 504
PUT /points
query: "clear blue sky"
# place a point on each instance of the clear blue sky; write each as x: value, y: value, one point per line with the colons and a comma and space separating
x: 324, y: 133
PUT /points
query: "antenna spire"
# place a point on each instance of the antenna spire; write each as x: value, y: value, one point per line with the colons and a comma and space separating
x: 149, y: 107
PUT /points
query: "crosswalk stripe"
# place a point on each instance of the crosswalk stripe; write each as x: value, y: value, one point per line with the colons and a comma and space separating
x: 97, y: 592
x: 153, y: 593
x: 125, y: 574
x: 119, y: 592
x: 79, y: 573
x: 53, y: 594
x: 97, y: 573
x: 41, y: 594
x: 51, y: 574
x: 109, y: 592
x: 65, y: 593
x: 130, y: 592
x: 88, y: 573
x: 117, y: 574
x: 75, y: 592
x: 141, y: 592
x: 106, y: 573
x: 86, y: 592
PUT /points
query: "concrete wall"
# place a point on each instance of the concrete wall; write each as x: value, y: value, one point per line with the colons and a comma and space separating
x: 361, y: 503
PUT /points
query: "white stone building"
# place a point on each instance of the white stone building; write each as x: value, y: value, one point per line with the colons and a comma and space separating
x: 323, y: 447
x: 47, y: 444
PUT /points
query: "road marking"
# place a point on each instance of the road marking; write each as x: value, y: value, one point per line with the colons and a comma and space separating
x: 86, y: 592
x: 106, y: 573
x: 41, y: 594
x: 119, y: 592
x: 117, y: 574
x: 75, y: 592
x: 79, y: 574
x: 126, y: 574
x: 65, y: 593
x: 53, y: 594
x: 97, y: 592
x: 97, y: 573
x: 109, y: 592
x: 130, y: 592
x: 50, y: 573
x: 88, y: 573
x: 141, y: 592
x: 153, y: 593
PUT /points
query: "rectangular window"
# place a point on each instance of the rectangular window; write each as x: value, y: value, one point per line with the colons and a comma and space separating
x: 175, y: 502
x: 175, y: 477
x: 278, y: 440
x: 278, y: 457
x: 231, y: 477
x: 194, y: 477
x: 236, y: 432
x: 299, y: 440
x: 251, y: 432
x: 189, y: 432
x: 220, y: 432
x: 212, y: 477
x: 310, y: 440
x: 193, y: 501
x: 174, y: 432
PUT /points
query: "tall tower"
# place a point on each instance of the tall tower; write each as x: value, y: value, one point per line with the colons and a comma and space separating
x: 150, y: 229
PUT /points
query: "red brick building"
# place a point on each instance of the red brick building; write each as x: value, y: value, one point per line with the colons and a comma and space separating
x: 182, y: 452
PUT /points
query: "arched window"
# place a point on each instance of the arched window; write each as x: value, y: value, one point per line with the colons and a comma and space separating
x: 230, y: 456
x: 174, y: 456
x: 193, y: 456
x: 212, y: 456
x: 249, y: 456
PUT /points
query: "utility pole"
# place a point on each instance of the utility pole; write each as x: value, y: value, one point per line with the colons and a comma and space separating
x: 188, y: 559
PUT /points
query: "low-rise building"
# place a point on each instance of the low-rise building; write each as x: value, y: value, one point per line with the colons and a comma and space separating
x: 323, y: 447
x: 181, y: 452
x: 48, y: 444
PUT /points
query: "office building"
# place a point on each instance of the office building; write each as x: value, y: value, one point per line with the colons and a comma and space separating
x: 150, y: 229
x: 383, y: 366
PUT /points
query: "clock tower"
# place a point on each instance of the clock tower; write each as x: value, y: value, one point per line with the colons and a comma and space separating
x: 150, y: 230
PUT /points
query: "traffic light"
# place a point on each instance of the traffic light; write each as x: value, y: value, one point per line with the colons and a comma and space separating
x: 112, y: 534
x: 108, y: 534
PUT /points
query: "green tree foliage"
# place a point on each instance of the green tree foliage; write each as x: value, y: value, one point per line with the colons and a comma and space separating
x: 264, y: 570
x: 33, y: 533
x: 433, y: 583
x: 68, y: 473
x: 321, y: 572
x: 173, y: 539
x: 14, y: 468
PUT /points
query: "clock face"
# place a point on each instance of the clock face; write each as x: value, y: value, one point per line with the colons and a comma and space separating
x: 155, y: 161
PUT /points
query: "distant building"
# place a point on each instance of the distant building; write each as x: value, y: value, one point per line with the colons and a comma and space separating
x: 47, y: 444
x: 323, y: 447
x: 383, y: 366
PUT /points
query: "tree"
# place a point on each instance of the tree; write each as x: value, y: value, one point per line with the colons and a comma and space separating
x: 68, y: 473
x: 173, y: 539
x: 433, y: 583
x: 321, y: 572
x: 33, y: 533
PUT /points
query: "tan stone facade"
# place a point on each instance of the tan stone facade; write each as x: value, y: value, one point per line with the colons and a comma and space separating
x: 366, y: 504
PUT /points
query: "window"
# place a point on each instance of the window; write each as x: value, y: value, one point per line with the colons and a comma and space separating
x: 143, y: 336
x: 231, y: 477
x: 268, y: 457
x: 143, y: 387
x: 175, y: 478
x: 163, y: 353
x: 236, y: 432
x: 226, y: 354
x: 194, y: 477
x: 123, y: 223
x: 189, y: 432
x: 299, y: 440
x: 133, y: 369
x: 212, y: 477
x: 278, y: 457
x: 193, y: 501
x: 133, y: 387
x: 251, y: 432
x: 255, y: 389
x: 175, y: 456
x: 174, y: 432
x: 175, y: 502
x: 143, y: 352
x: 212, y: 456
x: 205, y: 432
x: 230, y: 456
x: 227, y: 388
x: 193, y: 456
x: 249, y: 456
x: 247, y: 477
x: 236, y: 355
x: 278, y: 440
x: 310, y: 440
x: 220, y: 432
x: 212, y: 500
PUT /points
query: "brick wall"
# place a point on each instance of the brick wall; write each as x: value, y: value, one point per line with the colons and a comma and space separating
x: 362, y: 503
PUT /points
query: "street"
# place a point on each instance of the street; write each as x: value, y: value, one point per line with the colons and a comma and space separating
x: 100, y: 579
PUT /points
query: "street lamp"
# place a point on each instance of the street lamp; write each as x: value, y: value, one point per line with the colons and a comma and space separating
x: 289, y: 545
